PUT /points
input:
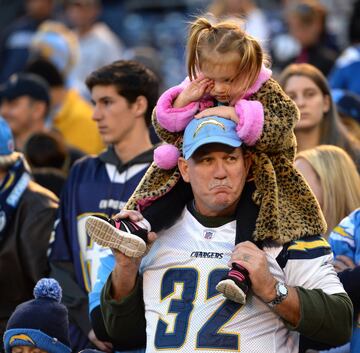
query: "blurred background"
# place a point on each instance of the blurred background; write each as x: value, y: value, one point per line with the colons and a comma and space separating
x: 154, y: 31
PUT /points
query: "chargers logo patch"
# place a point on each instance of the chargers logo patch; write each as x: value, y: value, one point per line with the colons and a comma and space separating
x: 208, y: 122
x: 21, y: 337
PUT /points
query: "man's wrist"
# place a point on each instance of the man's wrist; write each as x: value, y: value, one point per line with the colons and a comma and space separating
x: 181, y: 102
x: 270, y: 293
x: 281, y: 293
x: 122, y: 284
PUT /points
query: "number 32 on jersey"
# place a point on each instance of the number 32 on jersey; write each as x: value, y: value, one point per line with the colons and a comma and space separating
x: 209, y: 336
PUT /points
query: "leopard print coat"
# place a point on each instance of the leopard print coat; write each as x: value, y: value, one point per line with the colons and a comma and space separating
x: 288, y: 209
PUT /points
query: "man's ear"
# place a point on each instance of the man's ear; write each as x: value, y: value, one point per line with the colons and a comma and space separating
x: 247, y: 161
x: 140, y: 106
x: 184, y: 169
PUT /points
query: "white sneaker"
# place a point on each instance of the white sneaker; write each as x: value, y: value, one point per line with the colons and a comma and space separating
x: 124, y: 235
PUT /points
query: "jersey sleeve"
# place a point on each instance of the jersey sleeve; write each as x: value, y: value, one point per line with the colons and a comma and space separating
x: 309, y: 265
x: 342, y: 237
x: 106, y: 266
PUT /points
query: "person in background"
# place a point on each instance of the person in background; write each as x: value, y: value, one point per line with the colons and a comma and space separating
x: 16, y: 38
x: 25, y: 102
x: 95, y: 39
x: 41, y: 324
x: 319, y: 122
x: 307, y: 24
x: 124, y: 94
x: 348, y: 107
x: 56, y: 42
x: 347, y: 67
x: 345, y: 243
x: 255, y: 22
x: 70, y: 113
x: 334, y: 179
x: 47, y: 155
x: 27, y: 214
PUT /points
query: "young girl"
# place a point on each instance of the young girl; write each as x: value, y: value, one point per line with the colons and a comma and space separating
x: 228, y: 78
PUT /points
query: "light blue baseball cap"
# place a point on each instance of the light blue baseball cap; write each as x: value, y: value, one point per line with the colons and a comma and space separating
x: 7, y: 153
x: 211, y: 129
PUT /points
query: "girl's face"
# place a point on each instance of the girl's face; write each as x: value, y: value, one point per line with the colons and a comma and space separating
x: 224, y: 76
x: 309, y: 99
x: 312, y: 178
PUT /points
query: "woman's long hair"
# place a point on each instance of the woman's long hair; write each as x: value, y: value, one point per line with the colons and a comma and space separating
x: 339, y: 178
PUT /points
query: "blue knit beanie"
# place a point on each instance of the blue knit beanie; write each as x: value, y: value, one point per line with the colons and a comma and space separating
x: 41, y: 322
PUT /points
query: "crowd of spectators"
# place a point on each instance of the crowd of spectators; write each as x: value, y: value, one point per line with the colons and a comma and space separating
x: 65, y: 125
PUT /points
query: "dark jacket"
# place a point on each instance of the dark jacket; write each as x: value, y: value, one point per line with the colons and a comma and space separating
x: 23, y: 251
x: 90, y: 189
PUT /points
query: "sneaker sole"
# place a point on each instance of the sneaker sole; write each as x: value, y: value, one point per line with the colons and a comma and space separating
x: 107, y: 235
x: 231, y: 291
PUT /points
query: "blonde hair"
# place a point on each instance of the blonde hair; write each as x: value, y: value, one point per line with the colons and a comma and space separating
x: 340, y: 181
x: 208, y: 36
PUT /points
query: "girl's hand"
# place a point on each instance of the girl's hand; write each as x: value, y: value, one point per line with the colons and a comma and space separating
x: 222, y: 111
x: 194, y: 91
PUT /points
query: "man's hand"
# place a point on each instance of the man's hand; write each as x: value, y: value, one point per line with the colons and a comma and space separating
x: 133, y: 215
x: 129, y: 265
x: 342, y: 263
x: 126, y: 268
x: 222, y: 111
x: 263, y: 282
x: 194, y: 91
x: 103, y: 346
x: 254, y: 260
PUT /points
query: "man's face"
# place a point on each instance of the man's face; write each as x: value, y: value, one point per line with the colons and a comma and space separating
x: 39, y: 9
x: 81, y: 15
x: 217, y: 175
x: 114, y: 115
x: 19, y: 113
